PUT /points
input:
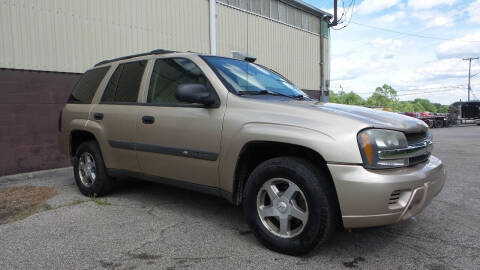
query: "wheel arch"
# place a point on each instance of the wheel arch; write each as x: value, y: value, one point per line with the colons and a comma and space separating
x: 255, y: 152
x: 77, y: 137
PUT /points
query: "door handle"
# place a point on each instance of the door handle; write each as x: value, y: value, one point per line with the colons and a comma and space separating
x: 148, y: 120
x: 98, y: 116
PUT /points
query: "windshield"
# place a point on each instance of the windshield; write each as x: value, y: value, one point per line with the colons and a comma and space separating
x: 248, y: 78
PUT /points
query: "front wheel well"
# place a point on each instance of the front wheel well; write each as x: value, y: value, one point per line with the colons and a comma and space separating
x: 77, y: 137
x: 254, y: 153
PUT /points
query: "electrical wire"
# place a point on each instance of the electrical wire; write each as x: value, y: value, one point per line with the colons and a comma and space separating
x: 428, y: 92
x: 418, y: 89
x: 432, y: 88
x: 412, y: 34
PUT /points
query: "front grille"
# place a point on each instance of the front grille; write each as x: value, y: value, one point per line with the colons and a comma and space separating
x: 415, y: 160
x: 416, y: 138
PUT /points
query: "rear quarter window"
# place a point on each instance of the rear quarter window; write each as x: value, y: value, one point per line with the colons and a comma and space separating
x: 86, y: 87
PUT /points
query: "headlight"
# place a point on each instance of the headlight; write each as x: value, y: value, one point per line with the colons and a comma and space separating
x: 373, y: 142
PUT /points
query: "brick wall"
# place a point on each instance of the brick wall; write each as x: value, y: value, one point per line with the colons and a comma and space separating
x: 315, y: 94
x: 30, y: 103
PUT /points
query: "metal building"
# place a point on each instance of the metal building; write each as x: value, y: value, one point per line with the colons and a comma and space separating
x: 71, y: 36
x: 46, y: 44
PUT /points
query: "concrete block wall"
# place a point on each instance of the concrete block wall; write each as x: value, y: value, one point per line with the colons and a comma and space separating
x: 30, y: 103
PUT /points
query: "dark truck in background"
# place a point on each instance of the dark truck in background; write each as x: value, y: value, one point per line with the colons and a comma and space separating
x: 459, y: 113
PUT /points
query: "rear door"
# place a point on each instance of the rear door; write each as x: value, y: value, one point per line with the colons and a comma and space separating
x: 177, y: 140
x: 116, y: 114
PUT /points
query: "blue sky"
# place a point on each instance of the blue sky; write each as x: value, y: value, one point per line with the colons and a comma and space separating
x: 364, y: 58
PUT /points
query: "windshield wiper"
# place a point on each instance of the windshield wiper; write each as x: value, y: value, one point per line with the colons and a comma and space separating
x: 267, y: 92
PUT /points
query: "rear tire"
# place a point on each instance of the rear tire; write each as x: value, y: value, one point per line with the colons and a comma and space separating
x: 438, y: 124
x: 89, y: 170
x: 429, y: 123
x: 318, y: 208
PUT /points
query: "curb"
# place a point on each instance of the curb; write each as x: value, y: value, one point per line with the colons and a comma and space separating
x: 31, y: 175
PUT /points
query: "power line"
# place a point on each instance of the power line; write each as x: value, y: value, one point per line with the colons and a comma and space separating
x: 432, y: 88
x: 418, y: 89
x: 412, y: 34
x: 428, y: 92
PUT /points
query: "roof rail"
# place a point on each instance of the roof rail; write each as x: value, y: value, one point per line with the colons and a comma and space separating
x: 158, y: 51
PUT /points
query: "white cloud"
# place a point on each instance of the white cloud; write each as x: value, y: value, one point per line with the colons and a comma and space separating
x: 392, y: 17
x: 468, y: 45
x: 473, y: 11
x: 427, y: 4
x: 438, y: 70
x: 371, y: 6
x: 343, y: 68
x: 436, y: 18
x: 387, y: 43
x: 356, y: 66
x: 440, y: 21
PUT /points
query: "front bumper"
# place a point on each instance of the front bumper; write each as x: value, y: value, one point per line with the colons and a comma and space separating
x: 377, y: 197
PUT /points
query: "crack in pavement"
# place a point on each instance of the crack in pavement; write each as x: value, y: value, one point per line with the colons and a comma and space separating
x: 134, y: 254
x: 182, y: 261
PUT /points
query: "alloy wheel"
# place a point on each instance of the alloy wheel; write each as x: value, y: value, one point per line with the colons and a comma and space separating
x: 282, y: 207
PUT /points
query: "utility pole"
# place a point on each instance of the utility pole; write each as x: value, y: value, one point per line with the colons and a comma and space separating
x: 335, y: 20
x: 469, y: 59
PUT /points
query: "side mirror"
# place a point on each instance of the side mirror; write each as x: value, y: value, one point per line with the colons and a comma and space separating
x: 195, y: 93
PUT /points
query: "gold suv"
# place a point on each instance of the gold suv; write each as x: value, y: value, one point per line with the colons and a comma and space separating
x: 241, y: 131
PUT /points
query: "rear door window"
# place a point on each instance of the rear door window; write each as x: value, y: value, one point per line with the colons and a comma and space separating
x: 86, y: 87
x: 124, y: 84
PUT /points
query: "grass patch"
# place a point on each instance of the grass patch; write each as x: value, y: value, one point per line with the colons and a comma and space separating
x: 22, y: 201
x: 48, y: 207
x: 77, y: 201
x: 102, y: 202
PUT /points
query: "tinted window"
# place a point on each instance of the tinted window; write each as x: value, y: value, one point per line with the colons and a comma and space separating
x: 168, y: 74
x: 125, y: 83
x: 86, y: 87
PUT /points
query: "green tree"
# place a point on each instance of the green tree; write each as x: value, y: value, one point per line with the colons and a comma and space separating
x: 417, y: 107
x: 384, y: 96
x: 353, y: 99
x: 406, y: 106
x: 346, y: 98
x: 426, y: 104
x: 333, y: 97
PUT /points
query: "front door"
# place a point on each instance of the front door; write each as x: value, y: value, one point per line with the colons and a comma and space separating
x: 176, y: 140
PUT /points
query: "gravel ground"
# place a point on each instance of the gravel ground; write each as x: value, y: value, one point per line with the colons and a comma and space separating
x: 151, y: 226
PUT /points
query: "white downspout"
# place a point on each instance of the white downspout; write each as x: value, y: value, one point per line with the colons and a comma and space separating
x: 213, y: 28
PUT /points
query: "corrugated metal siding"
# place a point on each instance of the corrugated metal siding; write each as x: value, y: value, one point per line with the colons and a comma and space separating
x: 73, y: 35
x: 292, y: 52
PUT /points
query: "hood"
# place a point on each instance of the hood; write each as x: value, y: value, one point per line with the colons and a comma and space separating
x: 370, y: 117
x: 375, y: 118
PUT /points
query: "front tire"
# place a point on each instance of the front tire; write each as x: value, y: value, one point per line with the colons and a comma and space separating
x: 290, y: 205
x: 89, y: 170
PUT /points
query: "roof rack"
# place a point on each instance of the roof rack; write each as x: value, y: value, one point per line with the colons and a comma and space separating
x: 158, y: 51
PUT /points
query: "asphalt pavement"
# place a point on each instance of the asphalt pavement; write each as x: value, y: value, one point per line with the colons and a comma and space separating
x: 151, y: 226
